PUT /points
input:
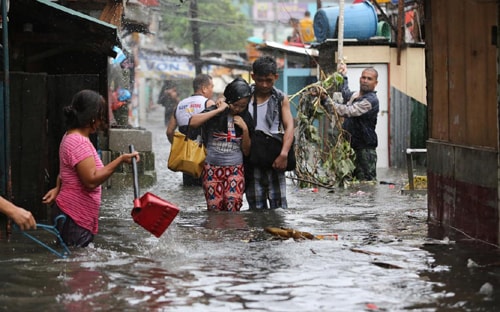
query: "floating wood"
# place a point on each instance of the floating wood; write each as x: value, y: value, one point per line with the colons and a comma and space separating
x: 288, y: 233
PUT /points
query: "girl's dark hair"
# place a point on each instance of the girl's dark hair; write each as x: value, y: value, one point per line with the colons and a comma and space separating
x: 237, y: 90
x: 264, y: 65
x: 87, y: 106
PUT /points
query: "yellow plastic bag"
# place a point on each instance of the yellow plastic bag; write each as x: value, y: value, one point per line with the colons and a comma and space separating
x: 186, y: 155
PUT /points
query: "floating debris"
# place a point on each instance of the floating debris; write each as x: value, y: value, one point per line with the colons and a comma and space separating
x: 365, y: 252
x: 419, y: 183
x: 386, y: 265
x: 286, y: 233
x: 486, y: 289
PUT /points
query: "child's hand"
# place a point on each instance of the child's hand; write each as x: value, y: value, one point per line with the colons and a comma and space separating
x: 51, y: 195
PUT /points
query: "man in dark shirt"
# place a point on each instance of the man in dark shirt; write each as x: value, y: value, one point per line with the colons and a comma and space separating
x: 360, y: 110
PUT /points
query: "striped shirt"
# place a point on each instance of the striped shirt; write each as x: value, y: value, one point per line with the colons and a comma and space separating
x: 74, y: 199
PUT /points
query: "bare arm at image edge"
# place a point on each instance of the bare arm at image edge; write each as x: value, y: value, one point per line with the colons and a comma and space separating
x: 22, y: 217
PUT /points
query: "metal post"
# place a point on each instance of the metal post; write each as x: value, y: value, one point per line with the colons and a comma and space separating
x: 5, y: 125
x: 409, y: 164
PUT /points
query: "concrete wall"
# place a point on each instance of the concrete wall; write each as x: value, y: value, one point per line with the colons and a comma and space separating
x: 118, y: 142
x: 408, y: 76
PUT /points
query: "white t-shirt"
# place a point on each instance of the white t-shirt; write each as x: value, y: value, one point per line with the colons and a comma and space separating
x: 188, y: 107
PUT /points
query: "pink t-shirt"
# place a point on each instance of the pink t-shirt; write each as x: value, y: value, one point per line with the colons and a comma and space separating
x: 74, y: 199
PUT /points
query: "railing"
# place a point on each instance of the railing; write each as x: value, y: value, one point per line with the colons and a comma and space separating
x: 409, y: 164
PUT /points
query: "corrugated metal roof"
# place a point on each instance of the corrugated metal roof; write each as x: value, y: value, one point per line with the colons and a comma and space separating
x: 55, y: 22
x: 270, y: 45
x: 74, y: 13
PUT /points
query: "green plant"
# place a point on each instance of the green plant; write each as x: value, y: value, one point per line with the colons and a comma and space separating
x: 324, y: 155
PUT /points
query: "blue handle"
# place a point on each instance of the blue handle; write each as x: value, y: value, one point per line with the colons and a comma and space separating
x: 51, y: 229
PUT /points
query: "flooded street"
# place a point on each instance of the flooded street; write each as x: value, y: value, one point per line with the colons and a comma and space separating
x: 382, y: 259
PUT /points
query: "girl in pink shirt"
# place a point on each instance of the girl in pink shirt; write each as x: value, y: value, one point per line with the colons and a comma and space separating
x: 78, y: 189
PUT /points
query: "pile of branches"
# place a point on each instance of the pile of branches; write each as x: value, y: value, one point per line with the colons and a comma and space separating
x: 324, y: 155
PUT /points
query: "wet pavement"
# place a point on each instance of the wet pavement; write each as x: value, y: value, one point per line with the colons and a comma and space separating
x: 380, y: 258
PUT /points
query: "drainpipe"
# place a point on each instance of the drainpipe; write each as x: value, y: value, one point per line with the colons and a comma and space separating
x: 5, y: 182
x: 401, y: 30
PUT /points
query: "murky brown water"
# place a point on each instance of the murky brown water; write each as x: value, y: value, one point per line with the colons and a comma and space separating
x: 382, y: 260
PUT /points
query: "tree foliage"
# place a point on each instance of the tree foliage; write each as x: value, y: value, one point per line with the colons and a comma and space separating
x: 222, y: 25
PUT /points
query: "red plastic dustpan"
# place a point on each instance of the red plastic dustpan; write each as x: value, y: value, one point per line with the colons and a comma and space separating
x: 150, y: 211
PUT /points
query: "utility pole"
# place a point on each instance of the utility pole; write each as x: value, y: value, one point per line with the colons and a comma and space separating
x: 195, y: 31
x: 275, y: 23
x: 340, y: 49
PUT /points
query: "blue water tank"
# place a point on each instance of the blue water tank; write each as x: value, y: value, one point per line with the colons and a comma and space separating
x: 360, y: 22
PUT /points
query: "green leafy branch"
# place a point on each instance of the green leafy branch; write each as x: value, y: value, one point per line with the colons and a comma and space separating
x: 324, y: 155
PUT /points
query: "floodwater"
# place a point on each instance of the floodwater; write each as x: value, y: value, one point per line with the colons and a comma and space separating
x: 381, y: 258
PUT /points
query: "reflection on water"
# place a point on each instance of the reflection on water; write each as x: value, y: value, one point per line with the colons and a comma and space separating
x: 226, y: 261
x: 465, y: 273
